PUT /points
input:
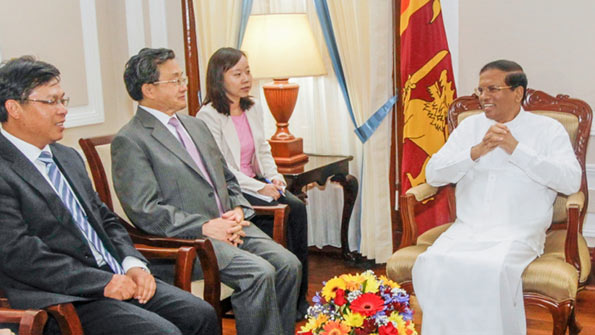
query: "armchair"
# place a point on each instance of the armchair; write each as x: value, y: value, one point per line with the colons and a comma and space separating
x: 210, y: 289
x: 31, y: 322
x: 552, y: 280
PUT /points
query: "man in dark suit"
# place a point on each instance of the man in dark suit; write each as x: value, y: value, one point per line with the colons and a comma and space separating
x: 167, y: 167
x: 59, y: 242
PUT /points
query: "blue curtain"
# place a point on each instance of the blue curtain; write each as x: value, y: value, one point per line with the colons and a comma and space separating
x: 365, y: 131
x: 246, y: 10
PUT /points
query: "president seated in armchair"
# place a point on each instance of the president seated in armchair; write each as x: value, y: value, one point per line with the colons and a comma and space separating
x: 508, y: 166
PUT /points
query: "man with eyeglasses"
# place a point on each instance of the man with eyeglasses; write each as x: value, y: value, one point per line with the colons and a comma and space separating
x: 173, y: 181
x: 508, y: 166
x: 59, y: 242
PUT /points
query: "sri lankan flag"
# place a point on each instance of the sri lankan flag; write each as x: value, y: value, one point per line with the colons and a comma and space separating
x: 428, y: 90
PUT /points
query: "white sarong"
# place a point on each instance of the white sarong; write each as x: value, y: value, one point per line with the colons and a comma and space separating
x: 467, y: 287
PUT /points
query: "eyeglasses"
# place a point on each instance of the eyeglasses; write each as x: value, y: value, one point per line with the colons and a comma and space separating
x: 182, y: 81
x: 490, y: 89
x: 53, y: 102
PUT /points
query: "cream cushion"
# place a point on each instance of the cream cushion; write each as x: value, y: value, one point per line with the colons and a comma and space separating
x: 549, y: 274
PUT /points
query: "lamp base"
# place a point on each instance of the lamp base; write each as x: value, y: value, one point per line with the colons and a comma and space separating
x: 288, y: 153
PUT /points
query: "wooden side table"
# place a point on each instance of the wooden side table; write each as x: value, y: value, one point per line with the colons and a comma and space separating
x: 318, y: 169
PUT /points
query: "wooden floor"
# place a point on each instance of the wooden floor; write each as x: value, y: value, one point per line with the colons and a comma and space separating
x: 323, y: 267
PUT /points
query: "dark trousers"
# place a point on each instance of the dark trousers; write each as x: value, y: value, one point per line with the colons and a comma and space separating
x: 297, y: 232
x: 170, y: 311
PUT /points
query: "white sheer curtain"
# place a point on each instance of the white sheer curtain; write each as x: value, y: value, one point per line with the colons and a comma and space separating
x: 320, y: 118
x: 217, y: 26
x: 363, y: 30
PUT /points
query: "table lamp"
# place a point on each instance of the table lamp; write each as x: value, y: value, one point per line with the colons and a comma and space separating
x: 280, y: 46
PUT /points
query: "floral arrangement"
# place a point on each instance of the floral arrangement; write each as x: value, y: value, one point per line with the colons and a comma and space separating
x: 360, y: 304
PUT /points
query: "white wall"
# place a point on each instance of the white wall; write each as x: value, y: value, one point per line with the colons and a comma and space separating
x: 90, y: 43
x: 554, y: 41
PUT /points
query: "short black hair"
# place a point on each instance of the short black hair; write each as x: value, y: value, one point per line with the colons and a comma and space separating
x: 143, y: 69
x: 20, y: 76
x: 515, y: 75
x: 221, y: 61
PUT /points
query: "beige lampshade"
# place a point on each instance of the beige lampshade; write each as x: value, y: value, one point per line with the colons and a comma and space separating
x: 281, y: 46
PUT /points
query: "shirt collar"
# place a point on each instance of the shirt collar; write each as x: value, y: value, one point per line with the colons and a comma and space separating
x: 29, y: 150
x: 162, y: 117
x: 517, y: 118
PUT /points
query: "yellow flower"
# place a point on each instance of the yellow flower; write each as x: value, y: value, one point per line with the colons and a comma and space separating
x: 371, y: 283
x: 353, y: 282
x: 336, y: 328
x: 314, y: 323
x: 328, y: 291
x: 308, y: 326
x: 398, y: 322
x: 389, y: 283
x: 322, y: 318
x: 353, y: 319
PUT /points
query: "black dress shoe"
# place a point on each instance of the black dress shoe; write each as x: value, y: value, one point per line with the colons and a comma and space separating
x: 302, y: 310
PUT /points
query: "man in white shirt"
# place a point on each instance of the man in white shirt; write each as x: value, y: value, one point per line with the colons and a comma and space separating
x: 508, y: 165
x: 60, y: 243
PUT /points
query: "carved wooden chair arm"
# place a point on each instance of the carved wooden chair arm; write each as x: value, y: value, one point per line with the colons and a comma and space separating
x: 206, y: 255
x: 417, y: 195
x: 184, y: 257
x: 407, y: 204
x: 280, y: 214
x: 31, y: 321
x: 68, y: 320
x: 423, y: 191
x: 576, y: 199
x: 574, y: 205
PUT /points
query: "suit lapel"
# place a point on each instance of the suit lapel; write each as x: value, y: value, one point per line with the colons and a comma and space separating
x: 203, y: 149
x: 257, y: 134
x: 207, y: 153
x: 230, y: 135
x: 167, y: 139
x: 29, y: 173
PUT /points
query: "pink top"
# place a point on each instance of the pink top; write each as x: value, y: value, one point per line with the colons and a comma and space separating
x: 246, y: 144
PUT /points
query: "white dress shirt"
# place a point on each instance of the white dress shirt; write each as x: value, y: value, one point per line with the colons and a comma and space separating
x: 164, y: 118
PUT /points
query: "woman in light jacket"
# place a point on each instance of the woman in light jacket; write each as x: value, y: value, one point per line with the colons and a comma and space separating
x: 236, y: 122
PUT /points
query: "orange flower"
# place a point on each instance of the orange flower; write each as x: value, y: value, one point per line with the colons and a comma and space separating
x: 367, y: 304
x: 353, y: 282
x: 335, y: 328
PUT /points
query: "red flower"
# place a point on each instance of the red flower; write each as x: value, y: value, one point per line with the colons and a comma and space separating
x: 389, y: 329
x: 309, y: 332
x: 367, y: 304
x: 340, y: 297
x: 369, y: 326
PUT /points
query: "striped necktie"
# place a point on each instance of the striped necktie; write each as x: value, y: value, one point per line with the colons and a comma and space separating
x: 69, y: 200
